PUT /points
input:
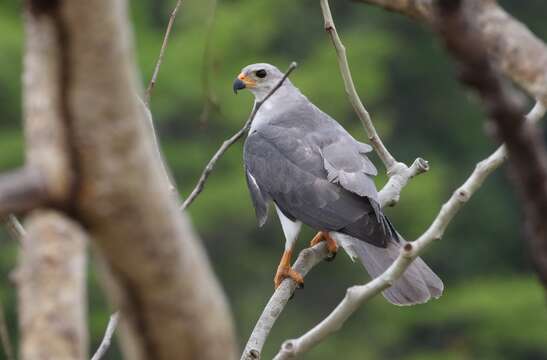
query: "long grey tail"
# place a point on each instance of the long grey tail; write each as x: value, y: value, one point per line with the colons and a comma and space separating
x: 417, y: 285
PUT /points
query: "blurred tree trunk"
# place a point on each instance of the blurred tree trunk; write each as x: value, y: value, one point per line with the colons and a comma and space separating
x: 52, y: 288
x: 90, y: 148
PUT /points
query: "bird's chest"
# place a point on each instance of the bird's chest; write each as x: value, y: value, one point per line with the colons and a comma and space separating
x: 265, y: 115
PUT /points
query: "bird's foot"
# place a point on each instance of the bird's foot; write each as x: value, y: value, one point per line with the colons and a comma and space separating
x: 332, y: 246
x: 283, y: 273
x: 284, y: 270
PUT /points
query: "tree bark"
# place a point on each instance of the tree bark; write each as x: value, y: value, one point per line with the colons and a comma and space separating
x: 170, y: 303
x: 87, y: 133
x: 513, y: 48
x: 52, y: 288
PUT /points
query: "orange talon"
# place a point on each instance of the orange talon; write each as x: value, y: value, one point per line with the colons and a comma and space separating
x: 284, y: 270
x: 325, y: 236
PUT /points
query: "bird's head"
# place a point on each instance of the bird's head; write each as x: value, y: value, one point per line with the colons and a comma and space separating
x: 258, y: 78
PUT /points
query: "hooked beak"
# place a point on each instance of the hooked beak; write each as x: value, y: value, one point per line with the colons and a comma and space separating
x: 243, y: 81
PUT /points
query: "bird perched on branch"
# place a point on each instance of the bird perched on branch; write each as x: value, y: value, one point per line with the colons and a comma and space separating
x: 317, y: 174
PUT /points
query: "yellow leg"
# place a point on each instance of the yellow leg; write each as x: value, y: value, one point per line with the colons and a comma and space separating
x: 284, y: 270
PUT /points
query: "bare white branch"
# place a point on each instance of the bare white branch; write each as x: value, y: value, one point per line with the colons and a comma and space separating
x: 358, y: 295
x: 306, y: 260
x: 107, y: 339
x: 398, y: 172
x: 386, y: 157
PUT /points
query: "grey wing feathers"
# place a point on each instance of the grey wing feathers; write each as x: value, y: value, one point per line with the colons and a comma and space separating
x: 348, y: 167
x: 289, y: 172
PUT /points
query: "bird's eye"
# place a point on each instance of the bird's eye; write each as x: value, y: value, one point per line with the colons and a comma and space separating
x: 261, y: 73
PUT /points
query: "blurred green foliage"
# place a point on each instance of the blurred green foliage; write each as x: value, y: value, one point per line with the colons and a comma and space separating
x: 493, y: 307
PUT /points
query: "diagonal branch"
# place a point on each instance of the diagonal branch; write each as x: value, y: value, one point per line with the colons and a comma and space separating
x: 386, y: 157
x: 509, y: 43
x: 154, y: 78
x: 528, y: 161
x: 22, y: 190
x: 399, y: 173
x: 230, y: 141
x: 107, y: 338
x: 307, y: 259
x: 358, y: 295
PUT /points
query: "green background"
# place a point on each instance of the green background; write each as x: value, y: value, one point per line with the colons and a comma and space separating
x: 493, y: 307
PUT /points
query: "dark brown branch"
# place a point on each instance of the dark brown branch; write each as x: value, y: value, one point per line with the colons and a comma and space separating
x: 230, y: 141
x: 22, y: 190
x: 509, y: 43
x: 527, y: 151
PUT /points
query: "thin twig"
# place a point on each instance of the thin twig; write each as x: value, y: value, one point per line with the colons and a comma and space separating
x: 4, y: 335
x: 227, y: 143
x: 398, y: 172
x: 105, y: 343
x: 386, y: 157
x: 153, y: 80
x: 209, y: 98
x: 159, y: 153
x: 358, y: 295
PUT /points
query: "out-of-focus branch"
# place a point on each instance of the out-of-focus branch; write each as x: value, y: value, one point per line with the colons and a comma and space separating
x: 4, y: 335
x: 209, y: 97
x: 511, y: 46
x: 51, y: 273
x: 105, y: 343
x: 22, y: 190
x: 525, y: 144
x: 52, y: 292
x: 14, y: 227
x: 358, y: 295
x: 170, y: 303
x: 154, y: 78
x: 399, y: 173
x: 230, y: 141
